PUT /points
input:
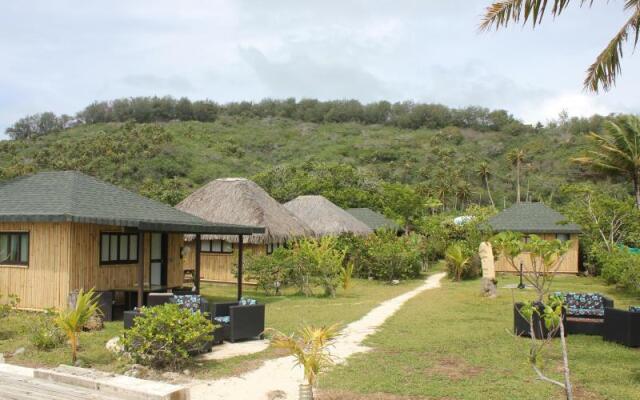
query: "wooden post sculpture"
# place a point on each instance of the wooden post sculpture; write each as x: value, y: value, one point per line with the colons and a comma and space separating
x: 489, y: 282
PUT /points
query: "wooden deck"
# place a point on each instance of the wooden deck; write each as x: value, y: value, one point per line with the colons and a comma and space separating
x: 15, y: 387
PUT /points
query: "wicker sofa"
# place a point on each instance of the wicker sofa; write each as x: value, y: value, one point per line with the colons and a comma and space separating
x: 622, y: 326
x: 239, y: 321
x: 585, y: 312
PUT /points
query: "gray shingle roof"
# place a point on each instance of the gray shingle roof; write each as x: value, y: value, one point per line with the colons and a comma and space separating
x: 74, y: 197
x: 532, y: 218
x: 374, y: 219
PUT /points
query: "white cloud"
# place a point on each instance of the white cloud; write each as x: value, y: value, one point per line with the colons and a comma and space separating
x: 62, y: 56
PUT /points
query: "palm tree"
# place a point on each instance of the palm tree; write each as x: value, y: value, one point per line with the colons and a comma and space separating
x: 516, y: 158
x: 484, y: 172
x: 617, y: 151
x: 457, y: 261
x: 73, y: 319
x: 605, y: 69
x: 309, y: 347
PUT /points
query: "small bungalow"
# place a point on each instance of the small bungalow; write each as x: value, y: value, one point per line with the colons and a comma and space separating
x: 539, y: 219
x: 65, y: 231
x: 326, y: 218
x: 375, y: 220
x: 242, y: 201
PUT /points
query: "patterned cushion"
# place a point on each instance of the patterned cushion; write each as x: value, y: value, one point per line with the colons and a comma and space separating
x: 188, y: 301
x: 634, y: 309
x: 223, y: 320
x: 583, y: 304
x: 247, y: 302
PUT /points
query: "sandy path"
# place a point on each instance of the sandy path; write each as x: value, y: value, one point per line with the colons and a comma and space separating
x: 282, y: 374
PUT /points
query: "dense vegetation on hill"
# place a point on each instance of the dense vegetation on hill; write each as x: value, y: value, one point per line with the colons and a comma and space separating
x: 352, y: 163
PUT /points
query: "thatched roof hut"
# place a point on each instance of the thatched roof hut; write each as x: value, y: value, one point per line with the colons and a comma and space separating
x: 238, y: 201
x: 326, y: 218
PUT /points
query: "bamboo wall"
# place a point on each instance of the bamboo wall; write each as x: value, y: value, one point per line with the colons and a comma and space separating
x: 87, y: 271
x: 219, y: 267
x: 65, y: 256
x: 44, y: 282
x: 568, y: 265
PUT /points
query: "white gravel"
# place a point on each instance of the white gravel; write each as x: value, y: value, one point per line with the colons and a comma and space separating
x: 281, y: 374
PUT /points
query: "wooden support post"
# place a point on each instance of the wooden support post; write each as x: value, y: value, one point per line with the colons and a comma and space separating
x: 196, y: 273
x: 140, y: 269
x: 240, y: 272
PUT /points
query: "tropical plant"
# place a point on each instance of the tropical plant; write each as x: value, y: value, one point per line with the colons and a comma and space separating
x: 8, y: 305
x: 166, y: 336
x: 309, y: 346
x: 544, y: 258
x: 516, y: 157
x: 484, y: 173
x: 607, y: 66
x: 457, y: 261
x: 617, y: 151
x: 345, y: 276
x: 75, y: 317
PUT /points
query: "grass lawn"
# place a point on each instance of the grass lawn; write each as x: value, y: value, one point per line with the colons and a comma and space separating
x: 452, y: 343
x: 284, y: 313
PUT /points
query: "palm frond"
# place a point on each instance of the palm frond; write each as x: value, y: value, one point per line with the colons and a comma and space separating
x: 501, y: 13
x: 603, y: 72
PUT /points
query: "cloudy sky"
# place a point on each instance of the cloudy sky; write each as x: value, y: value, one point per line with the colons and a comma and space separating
x: 60, y: 56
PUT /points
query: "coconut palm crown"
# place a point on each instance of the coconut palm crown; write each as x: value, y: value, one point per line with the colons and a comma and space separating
x: 617, y: 151
x: 603, y: 72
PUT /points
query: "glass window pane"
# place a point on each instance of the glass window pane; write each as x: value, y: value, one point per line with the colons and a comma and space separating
x: 227, y: 247
x: 104, y: 247
x: 113, y: 248
x: 24, y: 248
x: 205, y: 245
x: 4, y: 248
x: 216, y: 246
x: 124, y: 245
x: 156, y: 246
x: 133, y: 247
x: 13, y: 251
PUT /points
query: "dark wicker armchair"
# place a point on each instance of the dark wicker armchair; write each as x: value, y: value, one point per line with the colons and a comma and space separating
x: 621, y: 326
x: 242, y: 322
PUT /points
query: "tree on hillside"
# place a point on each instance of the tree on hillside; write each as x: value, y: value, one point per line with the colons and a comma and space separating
x: 484, y: 172
x: 516, y: 158
x: 617, y: 151
x: 605, y: 69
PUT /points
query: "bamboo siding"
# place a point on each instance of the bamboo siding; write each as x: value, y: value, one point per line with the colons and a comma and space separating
x: 66, y: 256
x: 568, y: 265
x: 219, y: 267
x: 45, y: 281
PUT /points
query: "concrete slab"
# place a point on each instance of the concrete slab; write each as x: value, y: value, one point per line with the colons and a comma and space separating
x: 229, y: 350
x: 121, y: 386
x: 16, y: 370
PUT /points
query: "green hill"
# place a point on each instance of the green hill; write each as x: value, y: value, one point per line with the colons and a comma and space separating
x: 289, y: 157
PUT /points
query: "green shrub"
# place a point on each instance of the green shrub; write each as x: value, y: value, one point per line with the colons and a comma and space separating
x: 165, y: 336
x: 46, y: 335
x: 620, y: 267
x: 389, y: 257
x: 271, y: 272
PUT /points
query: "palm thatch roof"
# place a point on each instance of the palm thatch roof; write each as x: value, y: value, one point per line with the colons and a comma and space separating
x: 326, y: 218
x: 239, y: 200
